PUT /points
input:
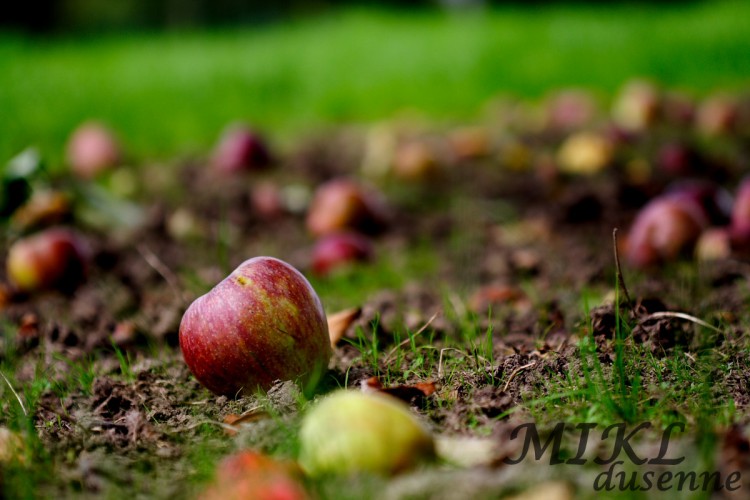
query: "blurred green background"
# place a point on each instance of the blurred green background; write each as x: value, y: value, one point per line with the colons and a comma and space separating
x: 168, y: 75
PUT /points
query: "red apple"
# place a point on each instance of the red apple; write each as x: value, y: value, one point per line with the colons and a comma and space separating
x: 666, y: 227
x: 250, y: 475
x: 92, y: 149
x: 240, y: 149
x: 53, y: 259
x: 261, y: 324
x: 739, y: 228
x: 342, y: 204
x: 339, y: 249
x: 570, y: 109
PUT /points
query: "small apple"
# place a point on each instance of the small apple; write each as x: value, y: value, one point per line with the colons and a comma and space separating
x: 240, y: 149
x: 718, y: 115
x: 250, y: 475
x: 342, y: 204
x: 739, y: 228
x: 638, y: 106
x: 570, y: 109
x: 349, y: 432
x: 339, y: 249
x: 262, y: 323
x: 414, y: 161
x: 666, y: 227
x: 469, y: 143
x: 52, y: 259
x: 585, y: 153
x: 92, y: 149
x: 714, y: 244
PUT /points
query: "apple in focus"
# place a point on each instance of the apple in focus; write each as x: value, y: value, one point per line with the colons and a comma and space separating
x: 261, y: 324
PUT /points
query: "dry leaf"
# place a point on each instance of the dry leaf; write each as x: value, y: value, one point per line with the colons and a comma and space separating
x: 235, y: 422
x: 408, y: 393
x: 339, y: 322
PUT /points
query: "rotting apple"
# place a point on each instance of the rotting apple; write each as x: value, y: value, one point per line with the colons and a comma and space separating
x: 339, y: 249
x: 342, y: 204
x: 52, y: 259
x: 92, y: 149
x: 262, y: 323
x: 248, y: 474
x: 240, y: 149
x: 666, y: 227
x: 351, y: 432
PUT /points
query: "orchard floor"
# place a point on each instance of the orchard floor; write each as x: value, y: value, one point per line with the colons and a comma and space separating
x: 498, y: 286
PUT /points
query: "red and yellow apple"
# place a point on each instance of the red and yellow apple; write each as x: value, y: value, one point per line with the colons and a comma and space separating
x: 240, y: 149
x: 261, y: 324
x: 339, y: 249
x: 342, y: 204
x: 52, y: 259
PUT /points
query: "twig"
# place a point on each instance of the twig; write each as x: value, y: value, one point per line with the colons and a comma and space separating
x: 516, y: 372
x: 153, y: 260
x: 387, y: 358
x: 620, y: 278
x: 440, y: 361
x: 15, y: 394
x: 679, y: 315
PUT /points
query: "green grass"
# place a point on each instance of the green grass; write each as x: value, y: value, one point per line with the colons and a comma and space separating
x: 171, y: 93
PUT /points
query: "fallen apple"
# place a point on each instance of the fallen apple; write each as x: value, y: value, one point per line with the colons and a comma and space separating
x: 262, y: 323
x: 351, y: 432
x: 251, y: 475
x: 666, y: 227
x: 638, y: 106
x: 339, y: 249
x: 739, y: 229
x: 240, y: 149
x: 52, y: 259
x: 342, y: 204
x: 92, y: 149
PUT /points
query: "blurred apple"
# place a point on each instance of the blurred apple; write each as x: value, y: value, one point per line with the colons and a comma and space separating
x: 638, y: 106
x: 717, y: 115
x: 350, y: 432
x: 585, y: 153
x: 92, y: 149
x: 713, y: 244
x: 335, y: 250
x: 739, y: 228
x: 570, y: 109
x: 414, y: 160
x: 240, y: 149
x: 251, y: 475
x: 665, y: 228
x: 470, y: 142
x: 342, y: 204
x: 53, y: 259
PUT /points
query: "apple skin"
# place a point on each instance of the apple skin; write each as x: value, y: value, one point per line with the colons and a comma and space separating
x: 248, y: 474
x: 261, y: 324
x: 666, y: 227
x: 92, y: 149
x: 739, y: 228
x: 342, y: 204
x: 338, y: 249
x: 52, y: 259
x: 350, y: 432
x: 240, y: 149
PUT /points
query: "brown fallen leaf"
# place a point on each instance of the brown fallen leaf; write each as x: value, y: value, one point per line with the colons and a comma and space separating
x: 408, y: 393
x: 339, y: 323
x: 235, y: 422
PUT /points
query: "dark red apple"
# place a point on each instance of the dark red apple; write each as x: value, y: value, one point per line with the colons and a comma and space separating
x: 92, y: 149
x: 339, y: 249
x: 342, y: 204
x: 250, y: 475
x: 53, y: 259
x: 240, y: 149
x: 261, y: 324
x: 663, y: 229
x: 739, y: 229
